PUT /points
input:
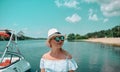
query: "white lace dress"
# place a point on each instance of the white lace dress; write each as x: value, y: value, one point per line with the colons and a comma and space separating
x: 58, y: 65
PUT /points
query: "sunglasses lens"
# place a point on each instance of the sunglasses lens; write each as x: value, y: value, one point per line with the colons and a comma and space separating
x: 62, y: 38
x: 56, y: 39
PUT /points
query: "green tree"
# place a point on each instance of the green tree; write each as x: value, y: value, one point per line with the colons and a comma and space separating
x: 77, y: 36
x: 71, y: 37
x: 116, y: 31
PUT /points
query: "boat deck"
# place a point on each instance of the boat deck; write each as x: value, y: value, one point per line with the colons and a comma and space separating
x: 6, y: 61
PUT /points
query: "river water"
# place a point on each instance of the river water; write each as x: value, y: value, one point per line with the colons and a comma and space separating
x: 90, y: 57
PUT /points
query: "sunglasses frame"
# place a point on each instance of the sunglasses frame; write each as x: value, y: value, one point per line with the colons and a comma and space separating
x: 58, y: 38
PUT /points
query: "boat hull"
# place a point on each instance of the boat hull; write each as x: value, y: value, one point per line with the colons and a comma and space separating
x: 19, y: 66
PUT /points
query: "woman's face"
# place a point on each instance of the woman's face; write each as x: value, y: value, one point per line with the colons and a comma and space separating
x: 57, y: 41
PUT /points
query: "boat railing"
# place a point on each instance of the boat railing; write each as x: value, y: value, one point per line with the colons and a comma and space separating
x: 13, y: 40
x: 11, y: 60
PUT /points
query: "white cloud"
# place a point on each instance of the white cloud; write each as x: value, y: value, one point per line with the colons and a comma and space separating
x: 71, y: 4
x: 90, y: 11
x: 58, y: 3
x: 73, y: 19
x: 92, y: 16
x: 111, y: 8
x: 67, y: 3
x: 105, y: 20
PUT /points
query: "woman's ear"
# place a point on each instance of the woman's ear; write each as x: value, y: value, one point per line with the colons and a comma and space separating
x: 48, y: 43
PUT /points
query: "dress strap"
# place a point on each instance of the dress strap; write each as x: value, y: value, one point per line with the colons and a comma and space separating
x: 67, y: 62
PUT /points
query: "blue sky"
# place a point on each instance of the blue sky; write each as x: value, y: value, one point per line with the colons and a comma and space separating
x: 36, y: 17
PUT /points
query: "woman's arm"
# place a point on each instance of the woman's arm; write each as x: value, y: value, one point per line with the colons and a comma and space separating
x: 42, y: 70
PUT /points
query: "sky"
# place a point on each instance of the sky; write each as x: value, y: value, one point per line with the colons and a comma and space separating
x: 36, y: 17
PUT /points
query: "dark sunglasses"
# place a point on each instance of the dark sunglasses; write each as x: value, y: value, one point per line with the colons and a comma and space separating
x: 58, y: 38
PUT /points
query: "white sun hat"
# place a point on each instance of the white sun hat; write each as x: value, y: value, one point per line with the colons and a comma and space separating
x: 53, y: 32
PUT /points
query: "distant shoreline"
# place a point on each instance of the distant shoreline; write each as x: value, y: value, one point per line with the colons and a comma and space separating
x: 109, y: 41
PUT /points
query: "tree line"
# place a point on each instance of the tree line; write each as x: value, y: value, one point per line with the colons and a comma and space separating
x: 114, y: 32
x: 20, y: 36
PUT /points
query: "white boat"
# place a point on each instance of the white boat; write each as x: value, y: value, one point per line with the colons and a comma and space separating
x: 11, y: 60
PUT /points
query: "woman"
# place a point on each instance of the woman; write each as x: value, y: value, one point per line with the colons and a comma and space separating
x: 57, y: 59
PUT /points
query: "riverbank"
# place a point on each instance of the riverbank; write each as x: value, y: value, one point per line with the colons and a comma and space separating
x: 110, y: 41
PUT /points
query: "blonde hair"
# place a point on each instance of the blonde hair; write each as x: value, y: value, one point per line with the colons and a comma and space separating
x: 48, y: 43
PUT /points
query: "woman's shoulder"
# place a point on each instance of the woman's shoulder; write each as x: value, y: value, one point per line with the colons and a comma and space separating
x: 67, y: 54
x: 46, y: 55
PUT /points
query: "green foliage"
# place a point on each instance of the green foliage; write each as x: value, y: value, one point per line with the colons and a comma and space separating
x: 71, y: 37
x: 114, y: 32
x: 77, y: 36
